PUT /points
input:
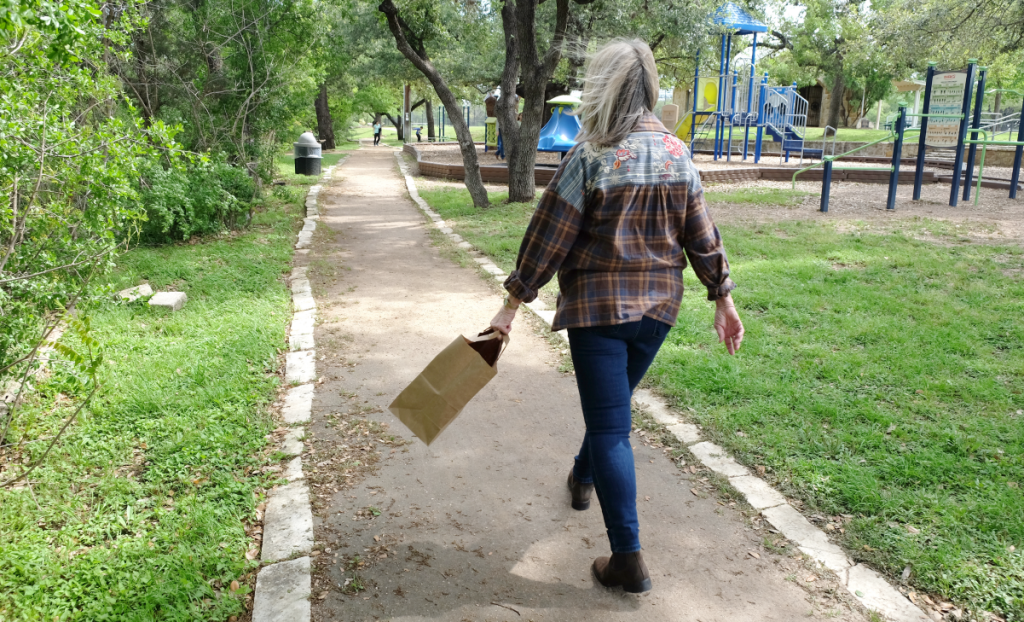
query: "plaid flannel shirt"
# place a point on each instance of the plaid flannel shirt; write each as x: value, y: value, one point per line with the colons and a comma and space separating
x: 617, y: 224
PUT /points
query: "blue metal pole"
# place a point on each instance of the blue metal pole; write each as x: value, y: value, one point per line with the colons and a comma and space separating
x: 976, y: 123
x: 732, y: 113
x: 1017, y: 156
x: 696, y: 94
x: 826, y: 185
x: 958, y: 160
x: 750, y: 97
x: 721, y: 87
x: 725, y: 82
x: 897, y: 153
x: 919, y: 169
x: 760, y: 118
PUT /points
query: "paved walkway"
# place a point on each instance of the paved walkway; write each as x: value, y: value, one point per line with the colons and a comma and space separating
x: 478, y: 526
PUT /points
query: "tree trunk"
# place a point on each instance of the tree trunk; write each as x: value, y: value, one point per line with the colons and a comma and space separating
x: 418, y: 57
x: 430, y: 121
x: 518, y: 21
x: 324, y: 123
x: 399, y: 129
x: 835, y: 102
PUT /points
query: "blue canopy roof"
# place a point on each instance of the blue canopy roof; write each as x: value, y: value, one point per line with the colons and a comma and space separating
x: 736, y: 18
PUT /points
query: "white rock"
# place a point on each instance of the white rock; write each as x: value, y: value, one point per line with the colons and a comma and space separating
x: 288, y: 523
x: 464, y: 245
x: 300, y: 367
x: 134, y: 293
x: 301, y: 287
x: 687, y: 433
x: 808, y: 538
x: 758, y: 493
x: 169, y: 300
x: 716, y: 459
x: 303, y: 302
x: 299, y: 272
x: 655, y: 406
x: 283, y: 591
x: 293, y: 471
x: 298, y: 404
x: 446, y: 230
x: 455, y: 237
x: 877, y: 595
x: 547, y: 316
x: 292, y: 444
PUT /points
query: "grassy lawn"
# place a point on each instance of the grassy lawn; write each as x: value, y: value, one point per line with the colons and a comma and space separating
x: 140, y: 513
x: 881, y: 385
x: 846, y: 134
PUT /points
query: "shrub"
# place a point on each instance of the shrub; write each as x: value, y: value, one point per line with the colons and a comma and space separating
x: 194, y: 199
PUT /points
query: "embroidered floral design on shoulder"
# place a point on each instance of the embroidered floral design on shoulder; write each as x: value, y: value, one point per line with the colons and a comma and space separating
x: 674, y: 145
x: 625, y: 154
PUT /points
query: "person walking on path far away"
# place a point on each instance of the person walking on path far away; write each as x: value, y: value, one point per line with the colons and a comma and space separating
x: 376, y: 133
x: 617, y: 223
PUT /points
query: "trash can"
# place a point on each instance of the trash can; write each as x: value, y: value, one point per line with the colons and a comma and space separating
x: 308, y: 154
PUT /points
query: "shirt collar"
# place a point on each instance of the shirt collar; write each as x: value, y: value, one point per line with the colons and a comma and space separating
x: 650, y: 123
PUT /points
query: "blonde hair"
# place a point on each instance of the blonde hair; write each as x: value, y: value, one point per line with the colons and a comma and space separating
x: 621, y: 85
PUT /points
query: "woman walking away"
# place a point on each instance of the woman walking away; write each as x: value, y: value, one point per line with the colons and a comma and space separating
x: 617, y: 223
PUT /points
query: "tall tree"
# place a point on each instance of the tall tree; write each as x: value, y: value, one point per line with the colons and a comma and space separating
x: 412, y: 44
x: 525, y: 64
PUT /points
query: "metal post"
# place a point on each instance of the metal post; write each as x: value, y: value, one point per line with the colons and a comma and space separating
x: 976, y: 123
x: 721, y: 87
x: 696, y: 94
x: 826, y: 184
x: 760, y: 118
x: 732, y: 112
x: 919, y: 169
x: 1017, y: 157
x: 958, y: 160
x: 750, y: 97
x: 897, y: 153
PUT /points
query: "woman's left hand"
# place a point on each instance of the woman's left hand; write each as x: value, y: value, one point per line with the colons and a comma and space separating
x: 503, y: 321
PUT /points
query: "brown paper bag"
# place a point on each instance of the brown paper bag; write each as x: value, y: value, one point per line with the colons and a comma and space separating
x: 437, y: 396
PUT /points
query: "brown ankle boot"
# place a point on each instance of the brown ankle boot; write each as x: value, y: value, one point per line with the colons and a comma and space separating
x: 625, y: 569
x: 580, y: 493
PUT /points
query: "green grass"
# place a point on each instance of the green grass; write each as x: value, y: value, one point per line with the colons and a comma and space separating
x: 846, y: 135
x: 881, y: 377
x: 783, y: 197
x: 139, y: 512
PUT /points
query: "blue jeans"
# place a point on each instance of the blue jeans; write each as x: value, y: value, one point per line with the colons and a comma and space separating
x: 609, y: 362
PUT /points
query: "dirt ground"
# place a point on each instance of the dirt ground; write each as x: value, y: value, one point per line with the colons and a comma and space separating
x: 477, y: 527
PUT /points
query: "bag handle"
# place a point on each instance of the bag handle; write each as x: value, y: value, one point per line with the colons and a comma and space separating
x: 490, y: 333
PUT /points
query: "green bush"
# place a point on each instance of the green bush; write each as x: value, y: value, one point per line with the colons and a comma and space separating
x: 194, y: 199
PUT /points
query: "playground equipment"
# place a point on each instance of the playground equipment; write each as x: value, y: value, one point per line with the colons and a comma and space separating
x: 730, y: 102
x: 559, y: 134
x: 947, y: 108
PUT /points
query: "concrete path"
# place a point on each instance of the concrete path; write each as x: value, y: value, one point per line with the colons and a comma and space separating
x: 478, y: 526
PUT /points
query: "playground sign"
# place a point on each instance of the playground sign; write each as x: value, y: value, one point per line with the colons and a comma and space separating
x: 947, y: 98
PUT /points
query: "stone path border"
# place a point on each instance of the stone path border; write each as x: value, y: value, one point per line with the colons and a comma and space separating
x: 870, y: 588
x: 283, y: 585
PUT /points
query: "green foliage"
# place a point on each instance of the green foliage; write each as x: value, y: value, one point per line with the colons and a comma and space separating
x: 194, y: 199
x: 69, y: 148
x: 140, y: 512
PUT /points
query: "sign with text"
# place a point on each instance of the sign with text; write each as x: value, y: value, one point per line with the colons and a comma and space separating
x: 947, y: 98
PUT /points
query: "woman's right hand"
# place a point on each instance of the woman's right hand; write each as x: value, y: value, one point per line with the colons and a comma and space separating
x: 728, y: 324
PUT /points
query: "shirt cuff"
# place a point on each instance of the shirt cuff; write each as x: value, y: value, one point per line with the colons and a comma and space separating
x: 720, y: 291
x: 517, y: 288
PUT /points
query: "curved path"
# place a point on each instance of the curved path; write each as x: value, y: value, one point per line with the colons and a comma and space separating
x: 478, y: 526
